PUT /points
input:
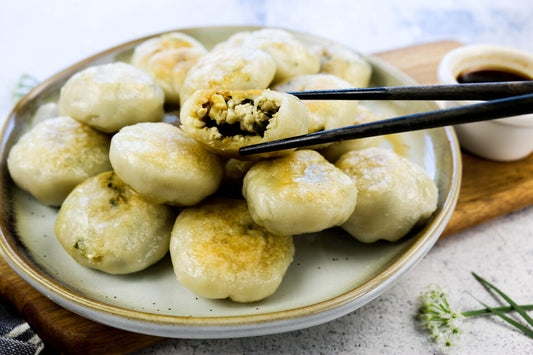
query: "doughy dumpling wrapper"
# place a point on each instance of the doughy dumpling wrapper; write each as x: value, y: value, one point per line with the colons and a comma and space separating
x: 395, y: 194
x: 56, y: 155
x: 168, y: 58
x: 105, y: 225
x: 218, y: 251
x: 227, y: 120
x: 165, y: 165
x: 230, y: 69
x: 323, y: 114
x: 333, y: 151
x: 291, y: 56
x: 110, y: 96
x: 167, y: 41
x: 169, y: 69
x: 298, y: 193
x: 346, y: 64
x: 44, y: 112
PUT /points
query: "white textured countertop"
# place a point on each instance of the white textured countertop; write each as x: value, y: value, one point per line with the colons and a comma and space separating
x: 42, y: 37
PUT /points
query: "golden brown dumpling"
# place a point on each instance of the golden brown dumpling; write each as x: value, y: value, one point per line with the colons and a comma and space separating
x: 346, y: 64
x: 291, y: 56
x: 165, y: 165
x: 394, y: 194
x: 237, y: 68
x: 110, y: 96
x: 105, y: 225
x: 218, y: 251
x: 168, y: 58
x: 56, y: 155
x: 300, y: 192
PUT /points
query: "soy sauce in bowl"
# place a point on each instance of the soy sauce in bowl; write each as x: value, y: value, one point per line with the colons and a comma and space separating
x: 484, y: 75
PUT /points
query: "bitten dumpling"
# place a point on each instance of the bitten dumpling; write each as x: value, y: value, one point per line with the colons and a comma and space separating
x: 291, y: 56
x: 346, y: 64
x: 395, y: 194
x: 300, y: 192
x: 105, y: 225
x: 110, y: 96
x: 218, y: 251
x: 333, y: 151
x: 165, y: 165
x: 225, y: 121
x: 230, y: 69
x: 323, y: 114
x: 56, y: 155
x: 167, y: 59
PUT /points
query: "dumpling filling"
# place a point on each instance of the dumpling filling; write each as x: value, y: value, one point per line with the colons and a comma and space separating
x: 228, y: 120
x: 233, y: 115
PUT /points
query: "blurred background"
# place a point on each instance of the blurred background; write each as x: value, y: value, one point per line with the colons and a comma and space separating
x: 41, y: 38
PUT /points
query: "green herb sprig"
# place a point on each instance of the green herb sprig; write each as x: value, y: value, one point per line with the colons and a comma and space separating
x: 444, y: 322
x: 23, y: 86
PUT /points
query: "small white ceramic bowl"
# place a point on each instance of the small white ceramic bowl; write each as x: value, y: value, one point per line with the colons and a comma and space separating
x: 505, y: 139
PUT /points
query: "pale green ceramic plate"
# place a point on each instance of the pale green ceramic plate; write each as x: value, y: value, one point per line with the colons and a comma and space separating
x: 332, y: 274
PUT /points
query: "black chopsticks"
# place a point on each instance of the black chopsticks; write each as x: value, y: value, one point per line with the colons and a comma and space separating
x: 472, y: 91
x: 499, y: 108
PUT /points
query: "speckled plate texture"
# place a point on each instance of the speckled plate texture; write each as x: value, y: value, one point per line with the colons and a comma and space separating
x: 332, y: 274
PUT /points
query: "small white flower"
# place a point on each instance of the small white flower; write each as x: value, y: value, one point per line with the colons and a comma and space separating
x: 436, y: 315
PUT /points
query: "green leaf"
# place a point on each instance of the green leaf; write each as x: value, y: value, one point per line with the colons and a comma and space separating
x: 511, y: 321
x: 513, y: 304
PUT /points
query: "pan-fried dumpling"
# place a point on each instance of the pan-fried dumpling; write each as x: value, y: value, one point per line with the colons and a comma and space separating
x: 110, y: 96
x: 346, y: 64
x: 56, y: 155
x: 394, y: 196
x: 323, y: 114
x: 105, y: 225
x: 167, y: 59
x: 291, y: 56
x: 164, y: 165
x: 167, y: 41
x: 333, y: 151
x: 225, y: 121
x: 300, y: 192
x: 218, y: 251
x: 237, y: 68
x: 44, y: 112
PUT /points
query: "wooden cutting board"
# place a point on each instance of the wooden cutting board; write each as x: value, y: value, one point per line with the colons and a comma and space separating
x: 488, y: 190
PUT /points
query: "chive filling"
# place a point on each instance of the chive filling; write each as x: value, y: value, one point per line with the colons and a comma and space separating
x: 238, y: 116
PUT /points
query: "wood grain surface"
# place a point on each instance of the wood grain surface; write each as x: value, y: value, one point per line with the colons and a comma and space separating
x: 488, y: 190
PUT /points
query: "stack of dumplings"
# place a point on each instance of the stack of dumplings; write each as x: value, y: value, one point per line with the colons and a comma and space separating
x: 131, y: 188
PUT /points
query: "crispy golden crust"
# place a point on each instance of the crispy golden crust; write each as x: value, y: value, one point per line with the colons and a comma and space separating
x: 56, y: 155
x: 110, y: 96
x: 230, y: 69
x: 164, y: 165
x: 218, y: 251
x: 292, y: 58
x: 394, y: 194
x: 103, y: 224
x: 300, y: 192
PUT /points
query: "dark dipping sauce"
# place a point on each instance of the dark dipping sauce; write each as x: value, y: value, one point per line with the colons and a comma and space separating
x: 485, y: 75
